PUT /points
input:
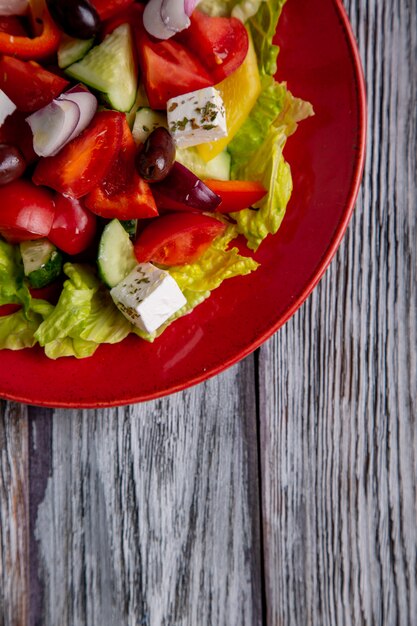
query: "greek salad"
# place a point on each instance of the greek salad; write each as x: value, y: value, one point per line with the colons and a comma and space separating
x: 138, y: 141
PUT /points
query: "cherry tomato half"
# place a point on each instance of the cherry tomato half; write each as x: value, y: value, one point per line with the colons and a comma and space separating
x: 177, y: 238
x: 109, y: 8
x: 26, y: 211
x: 84, y: 162
x: 169, y: 69
x: 74, y: 226
x: 220, y: 43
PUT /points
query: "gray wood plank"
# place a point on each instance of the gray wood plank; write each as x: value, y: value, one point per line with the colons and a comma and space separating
x: 338, y: 384
x: 151, y: 513
x: 14, y: 515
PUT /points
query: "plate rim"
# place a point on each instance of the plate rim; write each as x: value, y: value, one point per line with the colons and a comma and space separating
x: 317, y: 275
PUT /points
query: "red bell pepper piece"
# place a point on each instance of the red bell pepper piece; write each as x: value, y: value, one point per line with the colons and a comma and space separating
x: 33, y: 48
x: 29, y: 85
x: 236, y: 194
x: 123, y: 193
x: 86, y: 160
x: 12, y: 25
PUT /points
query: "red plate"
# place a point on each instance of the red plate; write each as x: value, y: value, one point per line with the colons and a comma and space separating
x: 320, y: 62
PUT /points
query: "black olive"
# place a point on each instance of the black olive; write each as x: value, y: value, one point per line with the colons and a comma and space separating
x: 157, y: 156
x: 12, y: 164
x: 76, y: 18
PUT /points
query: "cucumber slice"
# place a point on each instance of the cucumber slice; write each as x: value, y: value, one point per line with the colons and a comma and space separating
x: 146, y: 121
x: 42, y: 263
x: 110, y: 68
x: 141, y: 100
x: 116, y: 257
x: 217, y: 168
x: 71, y: 50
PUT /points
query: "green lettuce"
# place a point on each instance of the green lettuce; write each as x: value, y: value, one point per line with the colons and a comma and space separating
x: 73, y: 307
x: 84, y: 317
x: 17, y: 331
x: 257, y: 155
x: 13, y: 289
x: 255, y: 129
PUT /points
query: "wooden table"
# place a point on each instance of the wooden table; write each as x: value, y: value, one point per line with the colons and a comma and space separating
x: 282, y: 492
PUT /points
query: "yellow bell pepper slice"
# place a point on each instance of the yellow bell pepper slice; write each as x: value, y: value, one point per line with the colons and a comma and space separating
x: 239, y: 92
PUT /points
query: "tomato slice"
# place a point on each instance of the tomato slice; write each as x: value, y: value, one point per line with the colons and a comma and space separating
x: 169, y: 69
x: 108, y: 8
x: 74, y: 226
x: 26, y: 211
x: 221, y: 43
x: 177, y: 238
x: 29, y: 85
x: 123, y: 194
x: 236, y: 194
x: 84, y: 162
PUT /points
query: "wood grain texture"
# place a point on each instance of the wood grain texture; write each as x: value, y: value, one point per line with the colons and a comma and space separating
x: 14, y: 515
x: 338, y: 384
x: 150, y: 515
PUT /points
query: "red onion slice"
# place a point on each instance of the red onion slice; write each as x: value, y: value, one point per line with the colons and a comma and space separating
x: 190, y: 5
x: 153, y: 23
x: 13, y: 7
x: 174, y: 16
x: 86, y: 102
x: 185, y: 187
x: 163, y: 18
x: 52, y: 126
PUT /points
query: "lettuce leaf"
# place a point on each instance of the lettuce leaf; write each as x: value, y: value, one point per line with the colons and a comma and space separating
x: 17, y: 331
x: 267, y: 165
x: 13, y: 289
x: 68, y: 346
x: 255, y: 129
x: 84, y: 317
x: 262, y: 26
x: 214, y: 266
x: 73, y: 307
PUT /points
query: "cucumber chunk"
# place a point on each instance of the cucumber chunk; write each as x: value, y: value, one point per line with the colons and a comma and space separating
x: 71, y: 50
x: 42, y: 263
x: 146, y: 121
x: 110, y: 68
x: 217, y: 168
x: 116, y: 257
x: 141, y: 100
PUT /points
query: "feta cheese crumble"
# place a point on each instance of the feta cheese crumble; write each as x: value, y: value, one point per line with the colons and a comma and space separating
x: 7, y: 107
x: 148, y: 297
x: 197, y: 117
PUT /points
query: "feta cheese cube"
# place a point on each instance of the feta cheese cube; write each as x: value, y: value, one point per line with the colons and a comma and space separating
x: 7, y: 106
x: 197, y: 117
x: 148, y: 297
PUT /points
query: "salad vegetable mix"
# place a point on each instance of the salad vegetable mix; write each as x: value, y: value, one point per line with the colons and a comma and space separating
x: 137, y: 142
